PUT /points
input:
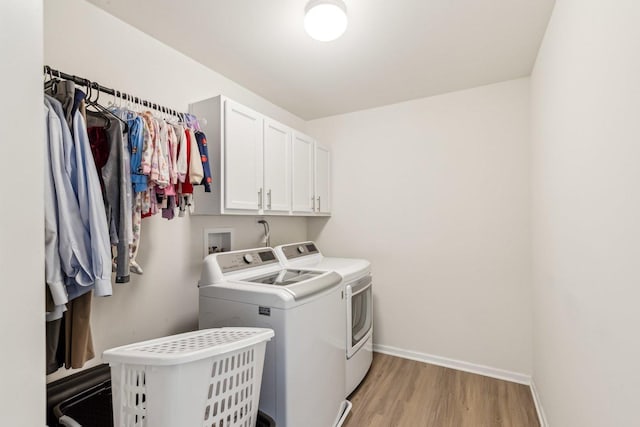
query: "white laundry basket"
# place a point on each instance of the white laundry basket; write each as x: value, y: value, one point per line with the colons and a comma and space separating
x: 204, y: 378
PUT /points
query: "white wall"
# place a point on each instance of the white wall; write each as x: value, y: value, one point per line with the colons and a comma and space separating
x: 84, y: 40
x: 435, y: 192
x: 586, y: 174
x: 22, y: 401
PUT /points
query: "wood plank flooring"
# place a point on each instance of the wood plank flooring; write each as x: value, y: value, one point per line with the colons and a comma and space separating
x: 405, y: 393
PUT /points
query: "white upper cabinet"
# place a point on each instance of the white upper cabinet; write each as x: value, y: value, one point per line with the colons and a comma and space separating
x: 302, y: 173
x: 277, y: 167
x: 259, y: 166
x: 243, y: 158
x: 322, y: 181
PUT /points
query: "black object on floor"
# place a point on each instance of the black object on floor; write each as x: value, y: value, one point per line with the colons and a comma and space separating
x: 68, y: 387
x: 265, y: 420
x: 86, y: 398
x: 91, y: 408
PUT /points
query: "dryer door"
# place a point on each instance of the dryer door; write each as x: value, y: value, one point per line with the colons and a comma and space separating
x: 359, y: 314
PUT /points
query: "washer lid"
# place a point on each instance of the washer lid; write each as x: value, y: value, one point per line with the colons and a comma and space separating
x: 286, y: 296
x: 284, y: 277
x: 299, y: 283
x: 349, y: 268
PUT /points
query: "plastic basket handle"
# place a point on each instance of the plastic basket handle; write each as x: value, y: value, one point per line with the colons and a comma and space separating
x: 68, y: 422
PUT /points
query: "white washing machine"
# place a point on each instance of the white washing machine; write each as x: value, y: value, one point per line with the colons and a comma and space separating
x: 357, y: 283
x: 304, y: 371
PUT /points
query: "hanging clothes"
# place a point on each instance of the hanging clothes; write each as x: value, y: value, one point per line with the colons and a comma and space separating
x: 149, y: 142
x: 69, y: 341
x: 77, y: 329
x: 172, y: 139
x: 204, y: 157
x: 154, y: 175
x: 137, y: 139
x: 116, y: 174
x: 182, y: 161
x: 196, y: 170
x: 100, y: 151
x: 105, y: 170
x: 83, y: 236
x: 187, y: 187
x: 169, y: 205
x: 92, y: 208
x: 65, y: 93
x: 54, y: 277
x: 136, y: 148
x: 75, y: 218
x: 163, y: 179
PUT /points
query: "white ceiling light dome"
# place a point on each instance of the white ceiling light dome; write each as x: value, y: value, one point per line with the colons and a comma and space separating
x: 325, y: 20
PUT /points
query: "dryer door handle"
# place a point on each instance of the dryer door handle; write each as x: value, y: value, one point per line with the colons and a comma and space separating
x: 359, y: 286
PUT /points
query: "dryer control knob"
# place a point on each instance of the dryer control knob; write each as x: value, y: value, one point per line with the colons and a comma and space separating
x: 301, y: 249
x: 248, y: 258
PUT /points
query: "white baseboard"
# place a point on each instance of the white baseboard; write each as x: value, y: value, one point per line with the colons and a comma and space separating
x: 460, y: 365
x: 536, y: 399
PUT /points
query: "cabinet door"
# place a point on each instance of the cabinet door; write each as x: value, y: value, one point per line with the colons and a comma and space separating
x: 242, y: 158
x: 323, y: 176
x: 277, y: 167
x: 302, y: 173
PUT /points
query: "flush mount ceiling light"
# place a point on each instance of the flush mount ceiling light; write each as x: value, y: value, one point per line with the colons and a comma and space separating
x: 325, y: 20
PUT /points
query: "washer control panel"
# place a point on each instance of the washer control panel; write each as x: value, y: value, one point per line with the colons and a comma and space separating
x: 297, y: 250
x: 232, y: 261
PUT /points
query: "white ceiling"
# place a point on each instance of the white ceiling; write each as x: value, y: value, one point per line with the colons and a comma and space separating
x: 392, y: 51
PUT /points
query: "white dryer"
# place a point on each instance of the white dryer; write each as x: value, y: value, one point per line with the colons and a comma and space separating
x: 358, y: 310
x: 303, y: 376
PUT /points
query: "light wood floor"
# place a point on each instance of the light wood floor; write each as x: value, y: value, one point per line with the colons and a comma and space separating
x: 401, y: 392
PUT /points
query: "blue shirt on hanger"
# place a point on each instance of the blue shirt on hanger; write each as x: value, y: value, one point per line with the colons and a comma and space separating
x: 83, y: 238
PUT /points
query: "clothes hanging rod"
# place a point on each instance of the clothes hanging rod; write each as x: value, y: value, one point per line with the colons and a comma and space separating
x: 125, y: 96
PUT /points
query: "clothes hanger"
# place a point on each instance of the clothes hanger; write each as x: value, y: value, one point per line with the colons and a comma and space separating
x: 97, y: 106
x: 112, y: 103
x: 52, y: 83
x: 89, y: 103
x: 47, y: 73
x: 173, y: 117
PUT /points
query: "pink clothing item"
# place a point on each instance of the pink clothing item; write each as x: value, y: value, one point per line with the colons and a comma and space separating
x: 170, y: 190
x: 155, y: 169
x: 145, y: 197
x: 173, y: 155
x: 181, y: 163
x: 149, y: 140
x: 153, y: 208
x: 136, y: 220
x: 160, y: 153
x: 172, y: 158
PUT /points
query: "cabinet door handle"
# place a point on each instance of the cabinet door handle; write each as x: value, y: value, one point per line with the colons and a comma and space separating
x: 269, y: 199
x: 313, y: 199
x: 318, y: 203
x: 260, y: 198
